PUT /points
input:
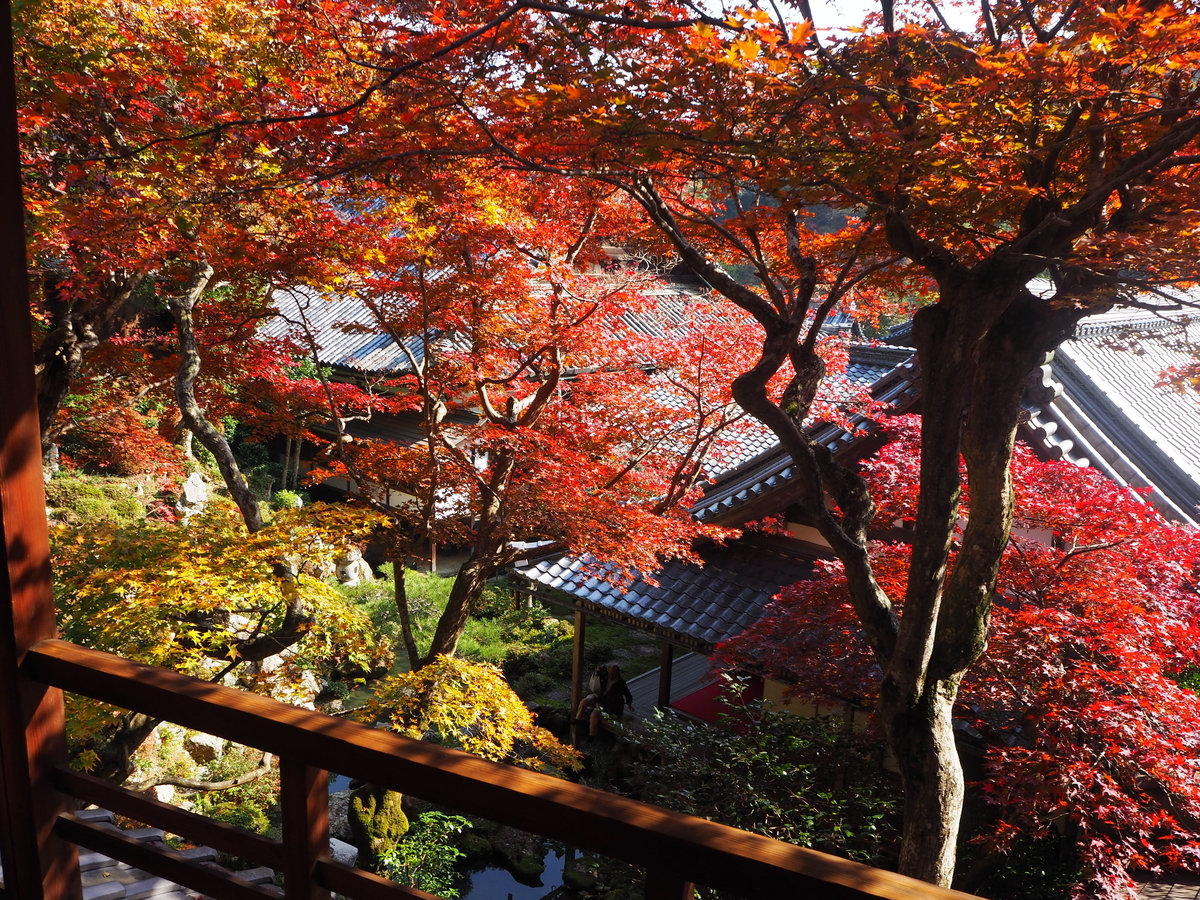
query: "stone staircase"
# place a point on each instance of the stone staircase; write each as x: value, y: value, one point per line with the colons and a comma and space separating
x: 106, y: 879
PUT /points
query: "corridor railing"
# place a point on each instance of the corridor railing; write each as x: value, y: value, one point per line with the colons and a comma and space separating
x: 675, y: 850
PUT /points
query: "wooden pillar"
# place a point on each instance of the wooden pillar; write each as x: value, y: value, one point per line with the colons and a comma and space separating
x: 664, y: 675
x: 577, y: 671
x: 304, y: 804
x: 38, y: 865
x: 662, y: 885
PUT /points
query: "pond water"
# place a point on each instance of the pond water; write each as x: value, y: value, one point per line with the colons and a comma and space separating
x: 497, y: 883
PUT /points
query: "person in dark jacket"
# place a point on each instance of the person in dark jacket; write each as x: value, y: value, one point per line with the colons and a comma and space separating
x: 616, y: 694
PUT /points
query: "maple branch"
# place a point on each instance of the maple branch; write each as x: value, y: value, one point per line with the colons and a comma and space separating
x: 755, y: 255
x: 529, y: 413
x: 1091, y: 548
x: 1141, y: 163
x: 1058, y: 146
x: 183, y: 306
x: 1068, y: 14
x: 1174, y: 161
x: 192, y: 784
x: 988, y: 22
x: 1030, y: 17
x: 627, y: 21
x: 394, y: 72
x: 645, y: 193
x: 941, y: 18
x: 584, y: 233
x: 71, y: 424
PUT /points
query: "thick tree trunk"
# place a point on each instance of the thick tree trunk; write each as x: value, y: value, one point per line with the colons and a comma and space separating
x: 116, y: 756
x: 78, y: 327
x: 193, y: 415
x: 977, y: 348
x: 921, y: 736
x: 469, y: 585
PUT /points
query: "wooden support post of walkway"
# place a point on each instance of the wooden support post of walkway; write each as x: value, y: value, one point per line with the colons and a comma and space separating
x: 662, y: 885
x: 38, y: 865
x: 664, y: 675
x: 304, y: 803
x: 577, y: 671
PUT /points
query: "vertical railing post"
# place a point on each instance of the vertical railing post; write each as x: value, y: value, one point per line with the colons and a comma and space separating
x: 38, y: 865
x: 577, y: 652
x: 664, y: 885
x: 304, y: 802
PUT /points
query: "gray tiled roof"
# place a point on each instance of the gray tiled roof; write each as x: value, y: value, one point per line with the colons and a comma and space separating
x: 755, y: 442
x: 706, y: 602
x: 1100, y: 404
x: 344, y: 331
x: 772, y: 471
x: 347, y: 332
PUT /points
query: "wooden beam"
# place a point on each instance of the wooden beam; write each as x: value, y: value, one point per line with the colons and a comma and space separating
x: 694, y: 849
x: 38, y: 865
x: 351, y: 882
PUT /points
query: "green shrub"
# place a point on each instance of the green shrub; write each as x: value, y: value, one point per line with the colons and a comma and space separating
x: 534, y: 685
x: 287, y: 500
x: 484, y: 641
x: 1035, y: 870
x: 425, y: 858
x: 795, y: 778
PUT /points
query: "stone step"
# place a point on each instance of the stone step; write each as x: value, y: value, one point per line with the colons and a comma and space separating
x: 136, y: 884
x: 94, y: 815
x: 106, y: 879
x: 260, y: 875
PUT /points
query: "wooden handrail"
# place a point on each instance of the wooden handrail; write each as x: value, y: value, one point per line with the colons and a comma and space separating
x: 676, y: 848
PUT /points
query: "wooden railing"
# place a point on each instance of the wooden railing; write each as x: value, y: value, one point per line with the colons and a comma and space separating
x: 676, y: 851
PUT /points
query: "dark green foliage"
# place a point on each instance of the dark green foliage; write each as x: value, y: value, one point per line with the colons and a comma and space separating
x: 1036, y: 870
x: 1189, y: 678
x: 254, y: 459
x: 795, y: 778
x: 534, y: 684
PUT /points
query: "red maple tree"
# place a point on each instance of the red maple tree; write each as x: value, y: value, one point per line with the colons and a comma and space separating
x: 1077, y: 699
x: 560, y: 397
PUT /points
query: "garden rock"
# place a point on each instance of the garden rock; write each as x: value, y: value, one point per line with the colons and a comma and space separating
x: 204, y: 748
x: 343, y: 852
x: 339, y: 822
x: 579, y: 881
x: 195, y: 495
x: 475, y: 847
